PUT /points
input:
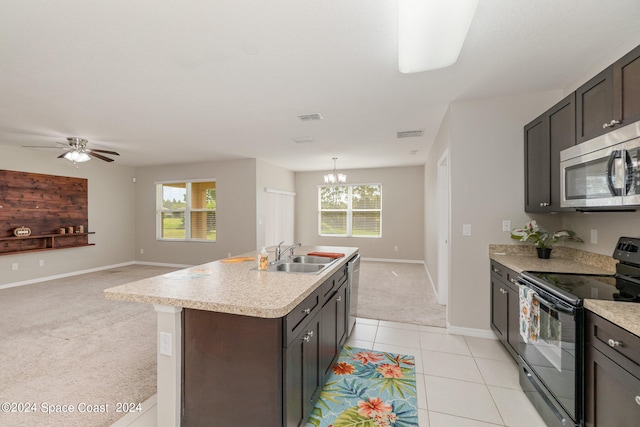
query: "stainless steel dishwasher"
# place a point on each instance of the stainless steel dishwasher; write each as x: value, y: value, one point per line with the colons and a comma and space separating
x: 353, y: 275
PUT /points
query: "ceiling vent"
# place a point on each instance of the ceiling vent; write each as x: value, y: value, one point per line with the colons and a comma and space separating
x: 302, y: 139
x: 409, y: 133
x: 310, y: 117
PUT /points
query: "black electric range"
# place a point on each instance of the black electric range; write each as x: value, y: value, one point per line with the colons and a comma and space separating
x: 573, y: 288
x: 551, y: 365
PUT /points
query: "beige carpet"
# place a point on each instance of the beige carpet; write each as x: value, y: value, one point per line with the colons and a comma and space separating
x: 398, y: 292
x: 62, y: 343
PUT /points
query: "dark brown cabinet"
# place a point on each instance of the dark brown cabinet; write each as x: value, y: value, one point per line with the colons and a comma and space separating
x: 505, y: 307
x: 276, y: 367
x: 594, y: 106
x: 303, y: 373
x: 334, y: 327
x: 544, y: 139
x: 609, y: 100
x: 612, y: 374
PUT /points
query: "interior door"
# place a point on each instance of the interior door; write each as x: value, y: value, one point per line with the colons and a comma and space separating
x: 279, y: 217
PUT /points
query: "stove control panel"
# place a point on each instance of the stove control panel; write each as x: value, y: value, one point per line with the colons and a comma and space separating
x: 627, y: 250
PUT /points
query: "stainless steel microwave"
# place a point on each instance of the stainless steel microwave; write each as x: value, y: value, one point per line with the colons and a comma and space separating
x: 602, y: 173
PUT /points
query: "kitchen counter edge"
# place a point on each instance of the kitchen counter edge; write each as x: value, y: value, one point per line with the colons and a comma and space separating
x: 233, y: 288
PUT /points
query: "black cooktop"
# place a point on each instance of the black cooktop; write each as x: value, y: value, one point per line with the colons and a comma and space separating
x: 593, y: 286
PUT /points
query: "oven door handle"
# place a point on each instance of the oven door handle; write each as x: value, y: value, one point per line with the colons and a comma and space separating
x: 556, y: 307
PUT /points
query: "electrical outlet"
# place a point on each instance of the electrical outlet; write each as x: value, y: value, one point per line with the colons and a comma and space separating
x: 506, y: 225
x: 141, y: 251
x: 165, y: 343
x: 395, y: 248
x: 41, y: 263
x: 594, y: 236
x: 14, y: 266
x: 466, y: 229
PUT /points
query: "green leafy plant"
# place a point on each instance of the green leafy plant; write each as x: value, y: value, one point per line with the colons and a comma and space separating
x: 535, y: 234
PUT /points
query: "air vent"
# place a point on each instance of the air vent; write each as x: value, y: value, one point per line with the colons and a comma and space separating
x: 409, y: 133
x: 302, y: 140
x: 310, y: 117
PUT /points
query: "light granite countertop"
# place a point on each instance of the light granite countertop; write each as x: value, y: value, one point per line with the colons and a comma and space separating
x: 235, y: 288
x: 568, y: 260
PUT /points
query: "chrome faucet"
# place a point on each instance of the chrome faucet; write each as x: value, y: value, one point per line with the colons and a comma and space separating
x: 280, y: 252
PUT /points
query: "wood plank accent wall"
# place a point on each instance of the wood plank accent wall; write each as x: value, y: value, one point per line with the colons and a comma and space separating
x: 43, y: 203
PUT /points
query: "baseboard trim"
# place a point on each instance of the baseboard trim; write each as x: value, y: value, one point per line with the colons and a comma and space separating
x: 405, y: 261
x: 90, y: 270
x: 471, y: 332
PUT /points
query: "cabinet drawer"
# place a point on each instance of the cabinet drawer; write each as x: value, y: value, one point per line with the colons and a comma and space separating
x: 299, y: 316
x: 333, y: 283
x: 618, y: 344
x: 504, y: 273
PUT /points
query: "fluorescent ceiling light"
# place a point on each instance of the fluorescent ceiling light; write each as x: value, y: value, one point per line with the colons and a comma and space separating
x: 431, y: 32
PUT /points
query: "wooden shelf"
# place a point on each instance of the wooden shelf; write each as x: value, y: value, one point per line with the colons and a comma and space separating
x: 48, y: 243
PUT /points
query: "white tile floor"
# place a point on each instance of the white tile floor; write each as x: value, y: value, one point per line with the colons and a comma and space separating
x: 462, y: 381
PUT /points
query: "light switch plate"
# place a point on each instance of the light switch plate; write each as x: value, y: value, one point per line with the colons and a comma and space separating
x: 506, y: 225
x: 466, y: 229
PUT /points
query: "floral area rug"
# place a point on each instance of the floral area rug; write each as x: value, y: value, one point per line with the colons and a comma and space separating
x: 368, y: 389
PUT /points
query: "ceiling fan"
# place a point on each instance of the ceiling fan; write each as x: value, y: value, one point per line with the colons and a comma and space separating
x: 78, y: 152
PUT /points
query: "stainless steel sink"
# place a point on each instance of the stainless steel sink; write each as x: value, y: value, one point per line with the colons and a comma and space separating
x: 290, y: 267
x: 302, y: 264
x: 309, y: 259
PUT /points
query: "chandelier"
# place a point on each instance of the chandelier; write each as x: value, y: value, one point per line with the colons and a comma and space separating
x: 334, y: 177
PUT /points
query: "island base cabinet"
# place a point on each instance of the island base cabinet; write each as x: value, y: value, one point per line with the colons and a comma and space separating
x: 232, y: 370
x: 303, y: 376
x: 334, y: 328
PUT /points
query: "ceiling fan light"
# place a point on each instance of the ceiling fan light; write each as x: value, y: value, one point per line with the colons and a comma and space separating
x: 77, y: 156
x: 83, y: 157
x: 431, y: 32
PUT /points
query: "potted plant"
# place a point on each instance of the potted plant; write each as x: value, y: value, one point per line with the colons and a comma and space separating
x: 543, y: 240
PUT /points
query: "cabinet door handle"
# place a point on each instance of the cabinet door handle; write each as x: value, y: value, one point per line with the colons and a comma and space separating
x: 496, y: 270
x: 339, y: 298
x: 306, y: 311
x: 638, y: 400
x: 502, y: 291
x: 308, y: 336
x: 544, y: 204
x: 613, y: 343
x: 512, y: 280
x: 611, y: 124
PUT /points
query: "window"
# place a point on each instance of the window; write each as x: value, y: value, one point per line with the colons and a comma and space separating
x: 186, y: 210
x: 350, y: 210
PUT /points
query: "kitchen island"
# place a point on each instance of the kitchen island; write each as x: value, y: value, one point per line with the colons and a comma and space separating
x: 238, y: 346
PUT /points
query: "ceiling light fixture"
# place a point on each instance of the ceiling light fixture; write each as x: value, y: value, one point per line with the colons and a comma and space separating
x: 431, y: 32
x: 334, y: 177
x: 77, y: 156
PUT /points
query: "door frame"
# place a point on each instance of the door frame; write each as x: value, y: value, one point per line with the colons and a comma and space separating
x: 444, y: 237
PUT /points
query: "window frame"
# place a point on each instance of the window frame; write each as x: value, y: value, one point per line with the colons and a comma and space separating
x: 349, y: 210
x: 187, y: 210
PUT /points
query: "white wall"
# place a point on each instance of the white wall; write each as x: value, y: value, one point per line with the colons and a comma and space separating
x: 236, y: 211
x: 486, y: 155
x: 111, y: 216
x: 402, y: 212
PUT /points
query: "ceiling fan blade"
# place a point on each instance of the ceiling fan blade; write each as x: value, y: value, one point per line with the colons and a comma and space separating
x: 98, y: 156
x: 62, y: 155
x: 42, y: 146
x: 103, y: 151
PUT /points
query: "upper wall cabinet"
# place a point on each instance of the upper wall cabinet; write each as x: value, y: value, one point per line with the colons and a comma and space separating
x: 544, y: 138
x: 609, y: 100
